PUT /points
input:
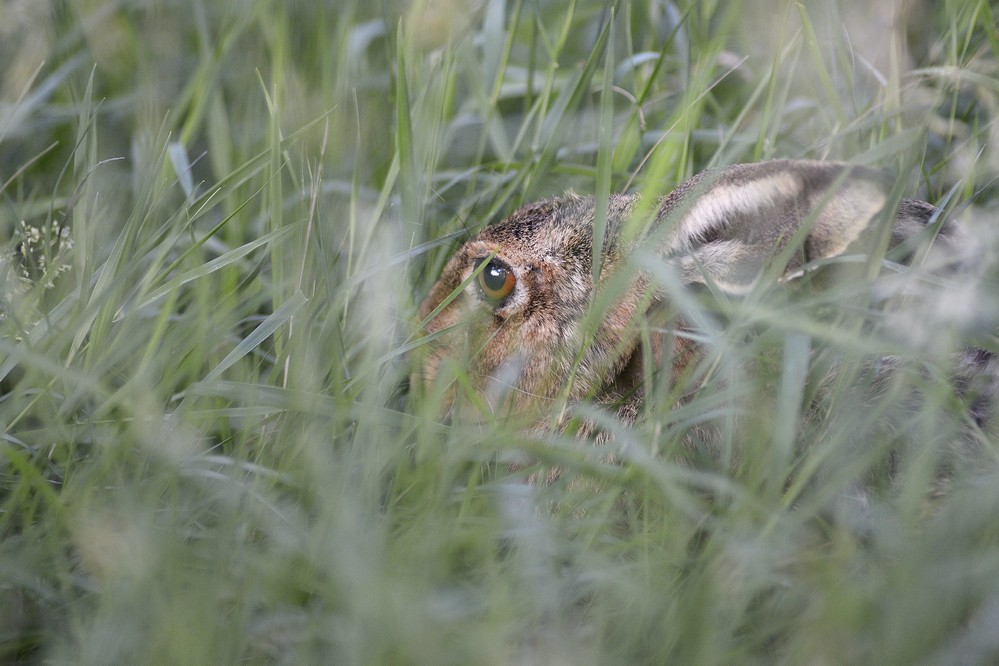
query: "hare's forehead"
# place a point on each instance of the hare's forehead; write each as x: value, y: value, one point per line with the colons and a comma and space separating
x: 551, y: 244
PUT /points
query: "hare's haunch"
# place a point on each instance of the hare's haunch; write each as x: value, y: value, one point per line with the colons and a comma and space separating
x: 515, y: 305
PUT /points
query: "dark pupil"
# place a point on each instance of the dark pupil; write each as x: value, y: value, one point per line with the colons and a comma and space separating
x: 494, y: 277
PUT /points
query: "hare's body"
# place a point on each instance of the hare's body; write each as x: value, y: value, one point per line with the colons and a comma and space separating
x: 528, y: 324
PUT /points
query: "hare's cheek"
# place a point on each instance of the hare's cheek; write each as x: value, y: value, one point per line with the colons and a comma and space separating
x: 504, y: 381
x: 492, y: 343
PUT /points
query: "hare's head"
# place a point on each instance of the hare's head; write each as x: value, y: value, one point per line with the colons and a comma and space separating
x: 511, y: 303
x: 517, y: 312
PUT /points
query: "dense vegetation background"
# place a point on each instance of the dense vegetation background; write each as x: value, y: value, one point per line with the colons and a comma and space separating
x: 218, y: 219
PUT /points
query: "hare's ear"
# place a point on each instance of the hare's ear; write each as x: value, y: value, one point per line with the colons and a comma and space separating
x: 730, y: 226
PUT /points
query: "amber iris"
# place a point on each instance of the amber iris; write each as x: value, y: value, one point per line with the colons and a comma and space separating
x: 496, y: 281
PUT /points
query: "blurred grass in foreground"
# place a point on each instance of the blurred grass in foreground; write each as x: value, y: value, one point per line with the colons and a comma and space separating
x: 219, y: 217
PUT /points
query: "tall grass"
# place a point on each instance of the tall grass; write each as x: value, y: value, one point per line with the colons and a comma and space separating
x: 219, y: 218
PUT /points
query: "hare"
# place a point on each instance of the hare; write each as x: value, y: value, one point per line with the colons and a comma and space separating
x: 526, y: 313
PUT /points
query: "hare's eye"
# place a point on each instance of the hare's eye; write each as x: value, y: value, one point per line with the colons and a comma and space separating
x: 496, y: 281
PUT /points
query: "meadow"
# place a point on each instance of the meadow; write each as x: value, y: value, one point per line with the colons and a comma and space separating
x: 219, y: 218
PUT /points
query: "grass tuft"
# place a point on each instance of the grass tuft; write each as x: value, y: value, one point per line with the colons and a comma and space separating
x: 219, y: 219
